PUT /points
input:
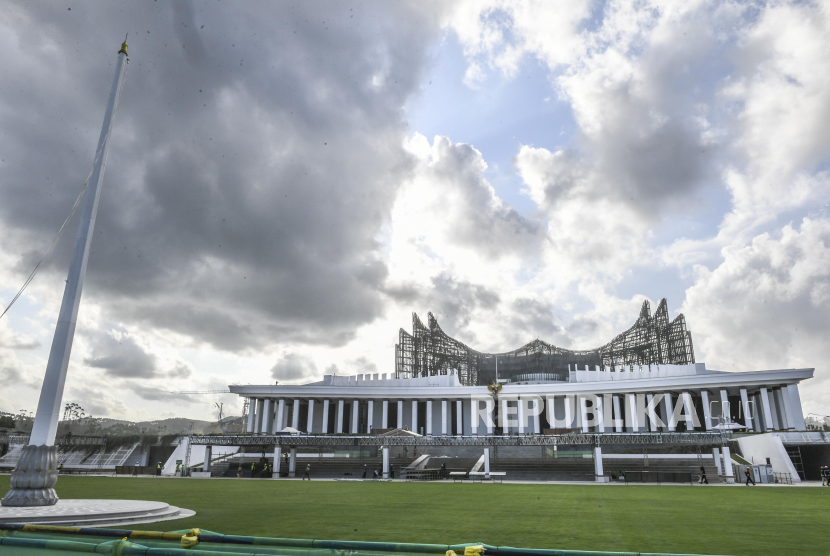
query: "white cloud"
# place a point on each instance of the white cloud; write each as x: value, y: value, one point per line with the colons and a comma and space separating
x: 768, y: 305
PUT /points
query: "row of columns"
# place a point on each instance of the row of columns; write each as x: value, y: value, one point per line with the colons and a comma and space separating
x: 764, y: 410
x: 267, y: 416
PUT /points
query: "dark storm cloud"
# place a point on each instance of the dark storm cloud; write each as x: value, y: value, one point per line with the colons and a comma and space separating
x: 255, y: 156
x: 292, y: 366
x: 121, y: 357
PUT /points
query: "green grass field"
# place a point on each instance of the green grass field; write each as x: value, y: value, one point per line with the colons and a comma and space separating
x: 677, y: 519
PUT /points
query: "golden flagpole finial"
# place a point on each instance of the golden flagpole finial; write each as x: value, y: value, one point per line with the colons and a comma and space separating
x: 124, y: 45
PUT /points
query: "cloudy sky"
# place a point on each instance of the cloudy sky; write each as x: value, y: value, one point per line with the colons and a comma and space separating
x: 288, y: 182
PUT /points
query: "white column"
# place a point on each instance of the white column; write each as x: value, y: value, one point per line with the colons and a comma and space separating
x: 459, y: 420
x: 688, y: 410
x: 292, y: 462
x: 355, y: 414
x: 769, y: 406
x: 260, y: 404
x: 569, y: 411
x: 475, y: 403
x: 491, y: 407
x: 599, y: 474
x: 784, y: 397
x: 266, y: 416
x: 727, y: 465
x: 295, y: 417
x: 520, y: 413
x: 486, y: 463
x: 599, y: 417
x: 400, y: 414
x: 620, y: 418
x: 415, y: 416
x: 370, y: 416
x: 339, y: 421
x: 670, y: 425
x: 537, y: 425
x: 707, y: 413
x: 631, y: 410
x: 716, y: 459
x: 429, y: 418
x: 279, y: 425
x: 277, y: 462
x: 310, y: 426
x: 443, y: 417
x: 385, y: 462
x: 325, y: 416
x: 208, y: 456
x: 251, y: 414
x: 652, y: 423
x: 384, y: 420
x: 795, y: 408
x: 725, y: 410
x: 505, y: 429
x: 745, y: 407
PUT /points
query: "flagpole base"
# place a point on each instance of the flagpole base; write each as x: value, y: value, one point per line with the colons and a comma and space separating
x: 33, y: 478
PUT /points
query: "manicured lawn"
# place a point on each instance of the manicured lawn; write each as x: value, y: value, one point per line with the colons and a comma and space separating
x: 678, y: 519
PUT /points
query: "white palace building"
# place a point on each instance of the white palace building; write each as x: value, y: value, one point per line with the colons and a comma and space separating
x: 633, y: 390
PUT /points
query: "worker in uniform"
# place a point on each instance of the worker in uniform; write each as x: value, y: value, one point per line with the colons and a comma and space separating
x: 158, y: 470
x: 748, y: 473
x: 253, y: 468
x: 825, y: 476
x: 307, y: 474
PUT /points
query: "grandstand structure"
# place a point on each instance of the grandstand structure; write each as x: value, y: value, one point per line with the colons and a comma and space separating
x: 651, y: 340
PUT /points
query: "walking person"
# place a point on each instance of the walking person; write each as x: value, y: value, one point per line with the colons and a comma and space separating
x: 703, y: 479
x: 825, y: 476
x: 364, y: 470
x: 391, y: 471
x: 307, y: 474
x: 748, y: 473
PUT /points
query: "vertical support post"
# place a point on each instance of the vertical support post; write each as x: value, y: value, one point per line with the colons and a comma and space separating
x: 208, y: 456
x: 384, y: 420
x: 671, y: 426
x: 292, y: 462
x: 267, y: 416
x: 400, y: 414
x: 727, y: 465
x: 599, y: 473
x: 280, y: 423
x: 486, y: 463
x: 619, y: 420
x: 443, y: 417
x: 746, y: 409
x: 504, y: 417
x: 520, y: 413
x: 385, y: 462
x: 310, y: 426
x: 251, y: 415
x: 716, y: 459
x: 355, y: 414
x: 277, y: 462
x: 707, y: 411
x: 370, y: 416
x: 260, y: 410
x: 295, y: 415
x: 339, y: 428
x: 631, y: 410
x: 429, y: 418
x: 459, y: 418
x: 599, y: 417
x: 415, y: 415
x: 326, y: 404
x: 652, y: 422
